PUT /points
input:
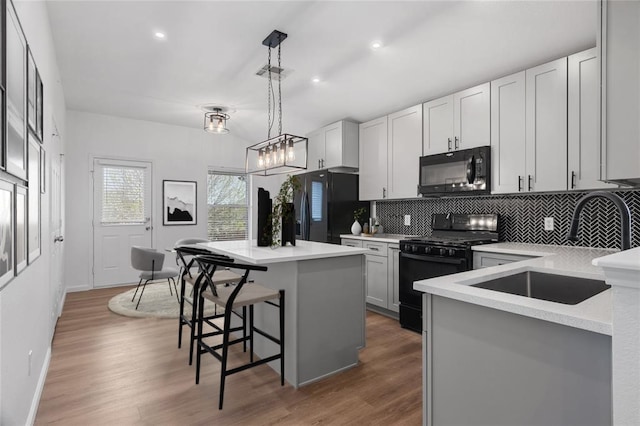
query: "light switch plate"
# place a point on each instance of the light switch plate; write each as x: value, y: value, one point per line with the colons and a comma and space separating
x: 407, y: 219
x: 548, y: 224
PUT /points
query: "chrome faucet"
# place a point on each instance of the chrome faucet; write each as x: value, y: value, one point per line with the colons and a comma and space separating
x: 625, y: 216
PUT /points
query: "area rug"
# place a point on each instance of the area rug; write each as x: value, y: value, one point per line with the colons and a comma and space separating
x: 156, y: 302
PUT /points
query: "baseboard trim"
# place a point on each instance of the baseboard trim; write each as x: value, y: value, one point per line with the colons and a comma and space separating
x: 40, y: 387
x: 78, y: 288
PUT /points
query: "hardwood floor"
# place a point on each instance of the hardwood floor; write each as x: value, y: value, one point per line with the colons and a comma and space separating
x: 109, y: 369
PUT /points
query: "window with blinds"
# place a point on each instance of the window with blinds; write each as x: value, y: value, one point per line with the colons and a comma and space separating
x: 316, y: 201
x: 227, y: 200
x: 122, y: 195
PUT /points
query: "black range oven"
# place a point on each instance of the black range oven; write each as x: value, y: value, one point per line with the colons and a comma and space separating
x: 446, y: 251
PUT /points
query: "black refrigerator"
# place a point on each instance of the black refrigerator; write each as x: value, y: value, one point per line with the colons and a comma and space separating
x: 325, y: 205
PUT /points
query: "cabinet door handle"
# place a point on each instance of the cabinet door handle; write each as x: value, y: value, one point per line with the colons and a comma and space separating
x: 529, y: 181
x: 456, y: 144
x: 384, y: 192
x: 318, y: 163
x: 573, y: 179
x: 519, y: 183
x: 449, y: 144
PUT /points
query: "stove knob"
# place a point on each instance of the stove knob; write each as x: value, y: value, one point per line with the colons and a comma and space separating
x: 427, y: 250
x: 452, y: 252
x: 416, y: 249
x: 419, y: 249
x: 442, y: 251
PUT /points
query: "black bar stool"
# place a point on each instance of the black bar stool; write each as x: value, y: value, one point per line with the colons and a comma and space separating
x: 231, y: 297
x: 186, y: 259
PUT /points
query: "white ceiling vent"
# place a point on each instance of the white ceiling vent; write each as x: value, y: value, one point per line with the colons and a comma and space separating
x: 275, y: 70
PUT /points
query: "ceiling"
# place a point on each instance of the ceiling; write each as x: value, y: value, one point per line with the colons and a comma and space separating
x: 111, y: 63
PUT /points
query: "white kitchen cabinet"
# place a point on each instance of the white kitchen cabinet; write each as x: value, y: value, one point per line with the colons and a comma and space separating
x: 546, y: 109
x: 334, y: 147
x: 619, y: 41
x: 508, y: 133
x: 373, y: 159
x: 351, y: 242
x: 458, y: 121
x: 376, y: 274
x: 393, y: 277
x: 438, y: 125
x: 487, y: 259
x: 404, y: 147
x: 471, y: 117
x: 584, y: 121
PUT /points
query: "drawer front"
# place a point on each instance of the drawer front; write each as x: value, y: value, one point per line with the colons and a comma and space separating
x: 378, y: 249
x: 351, y: 243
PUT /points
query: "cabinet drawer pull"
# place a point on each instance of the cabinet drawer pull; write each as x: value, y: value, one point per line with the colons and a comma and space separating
x: 573, y: 179
x: 449, y: 144
x: 456, y: 145
x: 374, y: 248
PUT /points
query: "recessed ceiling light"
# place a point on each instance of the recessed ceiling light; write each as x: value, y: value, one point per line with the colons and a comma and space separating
x: 316, y: 79
x: 159, y: 35
x: 377, y: 44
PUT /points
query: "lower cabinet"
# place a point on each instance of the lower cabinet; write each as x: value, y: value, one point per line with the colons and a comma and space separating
x: 487, y: 260
x: 381, y: 273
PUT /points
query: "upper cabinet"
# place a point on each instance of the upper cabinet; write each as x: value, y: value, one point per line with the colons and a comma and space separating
x: 546, y: 88
x: 390, y: 148
x: 458, y: 121
x: 508, y: 133
x: 334, y: 147
x: 373, y: 159
x: 584, y: 122
x: 619, y: 41
x: 404, y: 147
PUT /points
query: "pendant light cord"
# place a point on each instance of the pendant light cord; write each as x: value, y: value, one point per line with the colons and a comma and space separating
x: 279, y: 94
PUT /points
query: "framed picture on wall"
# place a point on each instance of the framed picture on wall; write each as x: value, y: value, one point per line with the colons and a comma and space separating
x: 33, y: 204
x: 16, y: 102
x: 179, y: 202
x: 31, y: 91
x: 43, y: 169
x: 21, y: 228
x: 6, y: 232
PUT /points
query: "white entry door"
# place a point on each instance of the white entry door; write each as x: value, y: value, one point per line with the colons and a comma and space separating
x: 121, y: 218
x: 56, y: 227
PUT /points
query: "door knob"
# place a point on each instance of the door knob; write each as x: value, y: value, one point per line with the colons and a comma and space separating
x: 58, y: 239
x: 147, y: 227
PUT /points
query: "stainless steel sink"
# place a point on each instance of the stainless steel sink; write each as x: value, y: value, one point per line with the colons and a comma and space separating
x: 550, y: 287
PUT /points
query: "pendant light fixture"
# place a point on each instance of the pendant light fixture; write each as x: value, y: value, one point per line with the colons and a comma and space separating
x: 285, y: 152
x: 215, y: 120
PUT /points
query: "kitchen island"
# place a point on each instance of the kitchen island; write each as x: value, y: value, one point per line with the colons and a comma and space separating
x: 324, y: 309
x: 497, y: 358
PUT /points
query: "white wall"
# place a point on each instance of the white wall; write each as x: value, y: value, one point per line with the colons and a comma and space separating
x: 176, y: 153
x: 28, y: 302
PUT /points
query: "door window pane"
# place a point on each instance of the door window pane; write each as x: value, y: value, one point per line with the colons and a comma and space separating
x: 227, y: 206
x: 316, y: 201
x: 122, y: 195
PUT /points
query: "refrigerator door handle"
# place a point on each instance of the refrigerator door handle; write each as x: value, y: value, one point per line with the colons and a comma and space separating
x: 307, y: 218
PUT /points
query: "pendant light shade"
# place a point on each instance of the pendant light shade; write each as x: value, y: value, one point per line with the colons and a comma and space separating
x: 283, y: 153
x: 215, y: 121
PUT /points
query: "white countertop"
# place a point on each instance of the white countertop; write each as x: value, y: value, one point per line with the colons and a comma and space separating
x: 248, y: 251
x: 381, y: 238
x: 594, y: 314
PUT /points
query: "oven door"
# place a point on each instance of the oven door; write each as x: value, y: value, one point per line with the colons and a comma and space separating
x: 419, y: 267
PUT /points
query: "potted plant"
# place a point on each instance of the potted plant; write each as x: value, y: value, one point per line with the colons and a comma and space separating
x: 358, y: 214
x: 283, y: 213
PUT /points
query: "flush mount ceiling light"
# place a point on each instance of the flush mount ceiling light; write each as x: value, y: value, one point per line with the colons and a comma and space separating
x: 160, y: 35
x: 315, y: 80
x: 376, y: 44
x: 283, y: 153
x: 215, y: 120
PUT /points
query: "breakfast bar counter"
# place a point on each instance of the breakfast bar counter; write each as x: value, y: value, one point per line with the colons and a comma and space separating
x: 324, y: 309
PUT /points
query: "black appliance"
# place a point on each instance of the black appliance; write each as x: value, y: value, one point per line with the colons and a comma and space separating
x: 325, y: 205
x: 467, y: 171
x: 446, y: 251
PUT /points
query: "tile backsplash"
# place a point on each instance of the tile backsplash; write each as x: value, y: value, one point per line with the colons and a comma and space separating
x: 522, y: 216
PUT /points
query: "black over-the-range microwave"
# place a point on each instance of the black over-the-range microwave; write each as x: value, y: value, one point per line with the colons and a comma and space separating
x: 467, y: 171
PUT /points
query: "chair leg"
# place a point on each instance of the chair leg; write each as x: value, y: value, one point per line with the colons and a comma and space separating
x: 176, y: 289
x: 180, y: 321
x: 244, y: 328
x: 251, y: 333
x: 141, y: 293
x: 281, y: 337
x: 169, y: 282
x: 200, y: 326
x: 136, y: 292
x: 197, y: 300
x: 225, y: 352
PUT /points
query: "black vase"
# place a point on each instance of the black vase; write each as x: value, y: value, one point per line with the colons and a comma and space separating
x: 264, y: 224
x: 288, y: 224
